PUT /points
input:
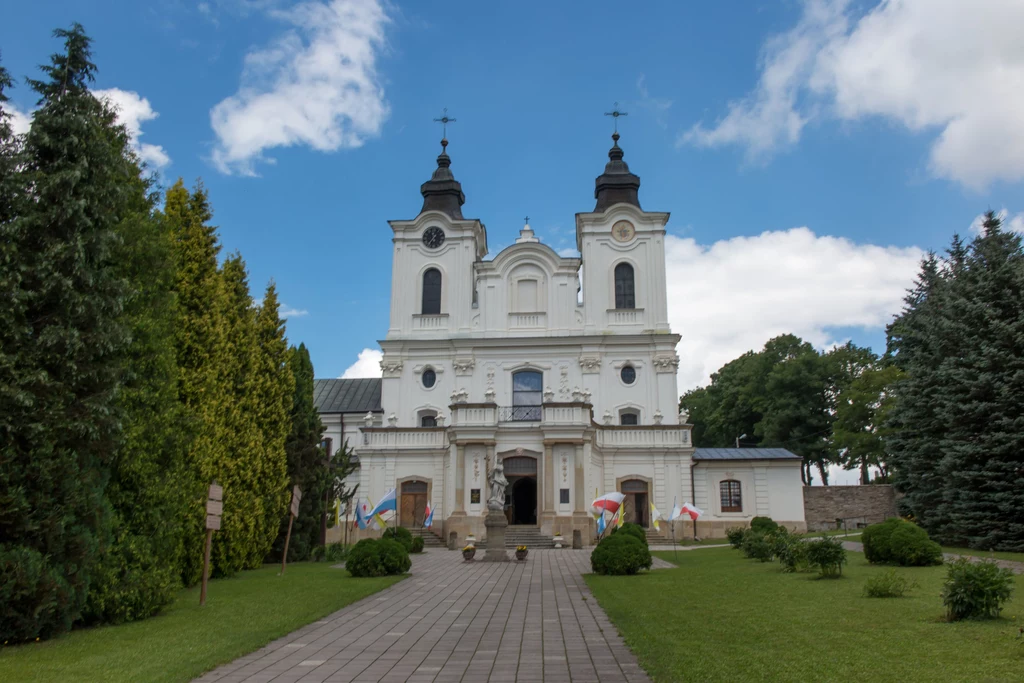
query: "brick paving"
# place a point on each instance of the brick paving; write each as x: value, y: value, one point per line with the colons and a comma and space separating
x: 457, y: 621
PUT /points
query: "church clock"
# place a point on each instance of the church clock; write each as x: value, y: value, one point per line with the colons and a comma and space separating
x: 623, y: 231
x: 433, y: 237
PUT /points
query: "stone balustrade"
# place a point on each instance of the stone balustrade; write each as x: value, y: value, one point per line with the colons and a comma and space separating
x: 644, y: 436
x: 404, y: 437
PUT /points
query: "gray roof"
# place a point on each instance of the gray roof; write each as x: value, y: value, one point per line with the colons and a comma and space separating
x: 347, y: 395
x: 744, y: 454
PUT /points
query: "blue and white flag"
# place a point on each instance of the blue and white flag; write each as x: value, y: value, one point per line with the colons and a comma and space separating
x: 429, y: 518
x: 388, y: 502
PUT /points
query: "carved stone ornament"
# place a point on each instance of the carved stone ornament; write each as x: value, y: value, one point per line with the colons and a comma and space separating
x: 454, y: 396
x: 392, y: 420
x: 463, y: 366
x: 684, y: 416
x: 461, y: 396
x: 590, y: 365
x: 607, y: 417
x: 476, y: 469
x: 563, y: 384
x: 549, y: 395
x: 657, y: 417
x: 585, y: 395
x: 565, y: 469
x: 368, y: 419
x: 498, y: 484
x: 577, y: 395
x: 439, y: 420
x: 391, y: 368
x: 666, y: 363
x: 489, y: 395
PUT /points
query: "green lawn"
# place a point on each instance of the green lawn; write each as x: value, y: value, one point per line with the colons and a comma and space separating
x: 997, y: 555
x: 241, y: 614
x: 719, y: 617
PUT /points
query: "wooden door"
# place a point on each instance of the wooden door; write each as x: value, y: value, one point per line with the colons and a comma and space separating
x: 629, y: 508
x: 413, y: 504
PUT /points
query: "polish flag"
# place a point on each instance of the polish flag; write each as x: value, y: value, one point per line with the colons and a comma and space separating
x: 692, y: 510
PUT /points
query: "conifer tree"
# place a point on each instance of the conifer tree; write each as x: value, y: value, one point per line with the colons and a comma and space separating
x: 307, y: 462
x: 199, y: 341
x: 59, y: 414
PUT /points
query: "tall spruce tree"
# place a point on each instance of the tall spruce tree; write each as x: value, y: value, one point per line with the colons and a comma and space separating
x: 307, y: 462
x: 62, y: 322
x: 199, y: 342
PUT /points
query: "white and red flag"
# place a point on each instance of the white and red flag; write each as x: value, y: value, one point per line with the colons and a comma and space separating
x: 692, y: 510
x: 609, y: 502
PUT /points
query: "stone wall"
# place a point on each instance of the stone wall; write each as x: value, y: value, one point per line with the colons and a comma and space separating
x: 858, y: 505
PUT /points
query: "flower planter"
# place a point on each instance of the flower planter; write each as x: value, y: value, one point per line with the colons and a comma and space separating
x: 521, y: 554
x: 468, y: 553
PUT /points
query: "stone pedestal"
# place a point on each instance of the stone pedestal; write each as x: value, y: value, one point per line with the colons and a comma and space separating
x: 495, y: 524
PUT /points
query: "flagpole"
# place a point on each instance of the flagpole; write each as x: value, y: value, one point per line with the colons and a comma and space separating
x: 675, y: 553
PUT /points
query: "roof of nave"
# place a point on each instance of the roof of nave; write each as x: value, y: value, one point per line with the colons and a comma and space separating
x: 347, y: 395
x: 744, y: 454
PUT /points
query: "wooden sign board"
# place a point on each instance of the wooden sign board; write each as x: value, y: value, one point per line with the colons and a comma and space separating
x: 216, y: 492
x: 296, y: 497
x: 214, y: 507
x: 213, y: 522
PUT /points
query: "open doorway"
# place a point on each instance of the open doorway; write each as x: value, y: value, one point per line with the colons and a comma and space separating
x: 636, y: 506
x: 524, y: 501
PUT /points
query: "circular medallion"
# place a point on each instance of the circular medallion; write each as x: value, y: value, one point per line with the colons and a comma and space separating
x: 433, y: 237
x: 623, y: 231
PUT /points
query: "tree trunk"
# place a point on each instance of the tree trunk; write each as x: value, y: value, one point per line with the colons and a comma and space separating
x: 865, y: 475
x: 823, y: 470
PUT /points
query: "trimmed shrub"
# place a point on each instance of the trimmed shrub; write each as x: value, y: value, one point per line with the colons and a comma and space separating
x: 633, y: 530
x: 888, y: 584
x: 735, y: 535
x: 417, y: 545
x: 778, y: 539
x: 364, y: 559
x: 755, y: 546
x: 793, y: 555
x: 400, y: 534
x: 335, y: 552
x: 763, y: 525
x: 975, y: 590
x: 897, y: 541
x: 828, y: 555
x: 394, y: 558
x: 620, y: 554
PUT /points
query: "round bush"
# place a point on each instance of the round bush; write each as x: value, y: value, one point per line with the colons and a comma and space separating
x: 897, y: 541
x: 763, y: 525
x: 620, y: 554
x: 394, y: 558
x: 976, y: 590
x: 364, y: 559
x: 755, y: 546
x: 400, y: 534
x: 417, y: 545
x: 735, y: 535
x: 633, y: 530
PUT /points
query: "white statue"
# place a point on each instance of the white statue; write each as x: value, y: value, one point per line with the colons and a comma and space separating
x: 498, y: 485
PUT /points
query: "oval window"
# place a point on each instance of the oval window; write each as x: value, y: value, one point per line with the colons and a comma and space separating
x: 628, y: 374
x: 429, y: 377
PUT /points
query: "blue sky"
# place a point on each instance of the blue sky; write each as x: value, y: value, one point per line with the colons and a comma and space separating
x: 808, y: 151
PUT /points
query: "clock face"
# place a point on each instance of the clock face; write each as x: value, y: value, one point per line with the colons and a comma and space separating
x: 623, y: 231
x: 433, y: 237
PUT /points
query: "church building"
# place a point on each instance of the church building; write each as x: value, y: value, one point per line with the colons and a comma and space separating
x: 565, y: 367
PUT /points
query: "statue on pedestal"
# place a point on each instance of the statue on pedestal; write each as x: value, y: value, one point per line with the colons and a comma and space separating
x: 498, y: 483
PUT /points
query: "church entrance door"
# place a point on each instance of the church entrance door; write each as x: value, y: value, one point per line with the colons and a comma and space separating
x: 636, y: 506
x: 524, y: 501
x: 414, y: 504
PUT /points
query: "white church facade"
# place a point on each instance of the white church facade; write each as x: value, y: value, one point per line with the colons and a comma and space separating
x: 565, y: 367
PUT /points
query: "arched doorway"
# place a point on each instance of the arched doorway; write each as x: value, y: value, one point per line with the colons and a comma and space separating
x: 414, y: 504
x: 636, y: 506
x: 521, y: 495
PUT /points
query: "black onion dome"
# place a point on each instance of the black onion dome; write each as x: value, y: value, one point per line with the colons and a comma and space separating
x: 616, y: 185
x: 443, y: 192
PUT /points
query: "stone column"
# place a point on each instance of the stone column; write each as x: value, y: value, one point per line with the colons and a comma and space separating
x: 547, y: 495
x: 460, y: 479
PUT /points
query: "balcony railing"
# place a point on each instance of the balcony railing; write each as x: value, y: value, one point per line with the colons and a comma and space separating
x: 644, y: 437
x: 426, y: 321
x: 404, y: 437
x: 520, y: 413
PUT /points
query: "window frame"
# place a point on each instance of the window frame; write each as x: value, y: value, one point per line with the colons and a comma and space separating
x: 731, y: 491
x: 631, y: 413
x: 433, y: 289
x: 625, y: 297
x: 527, y: 411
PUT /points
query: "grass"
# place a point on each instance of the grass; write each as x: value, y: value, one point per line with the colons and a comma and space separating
x: 719, y: 617
x: 242, y: 614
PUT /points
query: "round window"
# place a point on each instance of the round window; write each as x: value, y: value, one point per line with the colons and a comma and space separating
x: 429, y: 377
x: 628, y: 374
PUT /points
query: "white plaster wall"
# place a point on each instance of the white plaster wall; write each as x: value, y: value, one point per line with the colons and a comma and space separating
x: 787, y: 492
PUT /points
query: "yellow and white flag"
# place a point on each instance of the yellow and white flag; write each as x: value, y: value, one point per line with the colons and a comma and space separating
x: 655, y: 516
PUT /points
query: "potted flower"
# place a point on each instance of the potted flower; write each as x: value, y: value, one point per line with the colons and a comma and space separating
x: 521, y: 551
x: 468, y: 552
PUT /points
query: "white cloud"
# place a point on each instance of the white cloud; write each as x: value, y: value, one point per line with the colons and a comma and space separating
x: 132, y: 111
x: 733, y: 296
x: 289, y: 312
x: 945, y: 66
x: 19, y: 120
x: 1014, y: 224
x: 367, y: 365
x: 315, y: 85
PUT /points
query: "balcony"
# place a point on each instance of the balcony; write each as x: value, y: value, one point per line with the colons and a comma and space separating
x: 520, y: 413
x: 527, y: 321
x: 432, y: 322
x: 384, y: 438
x: 474, y: 414
x: 646, y: 436
x: 625, y: 316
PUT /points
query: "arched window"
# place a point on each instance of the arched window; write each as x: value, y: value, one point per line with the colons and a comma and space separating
x: 732, y: 499
x: 431, y: 292
x: 625, y: 296
x: 428, y: 421
x: 527, y: 395
x: 629, y: 417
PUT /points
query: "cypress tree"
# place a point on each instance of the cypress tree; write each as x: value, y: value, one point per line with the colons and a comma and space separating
x: 199, y: 342
x: 306, y: 462
x: 59, y: 413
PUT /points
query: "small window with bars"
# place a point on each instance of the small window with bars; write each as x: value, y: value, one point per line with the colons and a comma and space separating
x: 563, y: 496
x: 732, y: 498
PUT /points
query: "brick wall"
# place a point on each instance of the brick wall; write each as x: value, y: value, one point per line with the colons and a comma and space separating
x: 858, y: 505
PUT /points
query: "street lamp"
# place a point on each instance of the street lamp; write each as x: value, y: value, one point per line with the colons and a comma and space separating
x: 741, y: 436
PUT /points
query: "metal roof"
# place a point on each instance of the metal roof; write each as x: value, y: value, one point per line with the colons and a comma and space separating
x: 744, y: 454
x: 347, y: 395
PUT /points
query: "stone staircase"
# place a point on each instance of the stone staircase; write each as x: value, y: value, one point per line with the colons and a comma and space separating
x: 430, y: 539
x: 530, y: 536
x: 658, y: 537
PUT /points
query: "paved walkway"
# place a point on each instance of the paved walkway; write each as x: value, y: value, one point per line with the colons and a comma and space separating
x: 458, y: 621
